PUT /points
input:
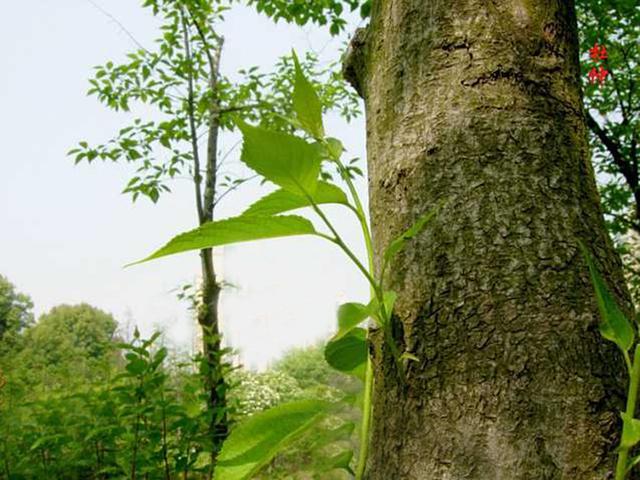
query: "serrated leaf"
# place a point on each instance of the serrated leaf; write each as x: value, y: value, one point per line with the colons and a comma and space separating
x: 306, y: 103
x: 348, y: 354
x: 630, y: 431
x: 614, y: 326
x: 254, y: 442
x: 286, y: 160
x: 282, y: 200
x: 350, y: 315
x: 243, y: 228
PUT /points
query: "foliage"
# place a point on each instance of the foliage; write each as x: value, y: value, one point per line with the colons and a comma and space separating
x: 185, y: 97
x: 69, y: 345
x: 293, y: 163
x: 615, y: 327
x: 254, y: 442
x: 255, y: 392
x: 134, y: 423
x: 613, y: 117
x: 15, y: 311
x: 176, y: 84
x: 304, y: 11
x: 139, y: 413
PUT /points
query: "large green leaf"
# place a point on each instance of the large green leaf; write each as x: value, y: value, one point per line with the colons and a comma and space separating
x: 323, y: 437
x: 339, y: 461
x: 286, y: 160
x: 348, y: 354
x: 350, y: 315
x: 254, y: 442
x: 284, y: 201
x: 234, y: 230
x: 306, y: 103
x: 614, y: 325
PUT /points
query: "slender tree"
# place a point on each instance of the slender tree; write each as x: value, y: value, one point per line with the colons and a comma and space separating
x: 478, y: 105
x: 182, y: 79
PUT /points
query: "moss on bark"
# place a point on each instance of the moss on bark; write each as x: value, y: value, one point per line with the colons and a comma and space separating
x: 478, y: 103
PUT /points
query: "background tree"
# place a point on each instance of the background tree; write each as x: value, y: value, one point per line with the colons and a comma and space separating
x: 15, y: 311
x: 512, y: 379
x: 181, y: 78
x: 613, y: 118
x: 70, y: 344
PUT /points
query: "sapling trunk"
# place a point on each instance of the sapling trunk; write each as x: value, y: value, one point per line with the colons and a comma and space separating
x: 207, y: 313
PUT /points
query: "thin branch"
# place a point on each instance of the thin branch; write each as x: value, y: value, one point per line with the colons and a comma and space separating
x: 197, y: 179
x: 226, y: 155
x: 614, y: 149
x: 214, y: 118
x: 118, y: 23
x: 634, y: 225
x: 616, y: 87
x: 239, y: 108
x: 234, y: 187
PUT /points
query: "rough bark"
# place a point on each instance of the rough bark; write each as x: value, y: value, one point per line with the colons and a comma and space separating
x: 478, y: 103
x: 208, y: 315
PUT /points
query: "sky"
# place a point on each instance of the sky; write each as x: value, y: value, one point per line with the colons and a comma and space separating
x: 66, y: 231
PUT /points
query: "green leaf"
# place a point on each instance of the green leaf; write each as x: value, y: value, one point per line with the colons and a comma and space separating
x: 630, y: 431
x: 409, y: 356
x: 254, y: 442
x: 136, y: 366
x: 283, y: 200
x: 326, y: 437
x: 340, y: 461
x: 389, y: 298
x: 350, y: 315
x: 243, y: 228
x: 306, y: 103
x: 614, y: 325
x: 334, y: 148
x: 399, y: 243
x: 286, y: 160
x: 348, y: 354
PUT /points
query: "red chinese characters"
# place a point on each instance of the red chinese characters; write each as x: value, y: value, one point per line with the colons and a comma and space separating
x: 598, y: 74
x: 598, y: 52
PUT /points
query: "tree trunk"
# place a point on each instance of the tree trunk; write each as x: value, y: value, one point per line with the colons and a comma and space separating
x: 208, y: 316
x: 477, y: 103
x: 208, y: 313
x: 215, y: 383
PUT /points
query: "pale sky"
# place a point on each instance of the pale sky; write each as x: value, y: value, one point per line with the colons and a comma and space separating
x: 66, y: 231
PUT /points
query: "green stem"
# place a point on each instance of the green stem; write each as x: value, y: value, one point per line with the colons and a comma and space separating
x: 337, y: 239
x: 376, y: 291
x: 632, y: 397
x: 367, y: 411
x: 367, y: 407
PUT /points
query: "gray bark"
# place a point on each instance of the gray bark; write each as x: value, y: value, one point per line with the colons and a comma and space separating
x: 478, y: 103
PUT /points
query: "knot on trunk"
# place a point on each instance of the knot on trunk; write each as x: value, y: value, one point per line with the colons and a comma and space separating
x: 353, y: 61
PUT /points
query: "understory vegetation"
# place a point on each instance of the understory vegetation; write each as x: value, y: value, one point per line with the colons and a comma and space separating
x: 78, y: 401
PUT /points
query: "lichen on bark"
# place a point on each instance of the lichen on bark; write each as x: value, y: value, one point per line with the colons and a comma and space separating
x: 478, y: 104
